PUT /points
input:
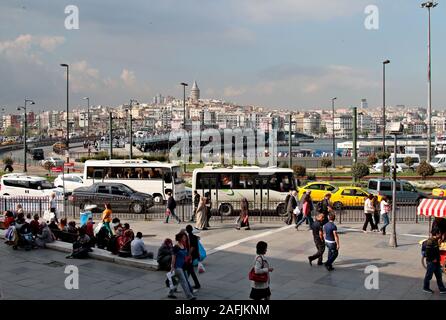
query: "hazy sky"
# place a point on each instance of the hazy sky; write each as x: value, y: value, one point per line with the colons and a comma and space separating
x: 285, y: 53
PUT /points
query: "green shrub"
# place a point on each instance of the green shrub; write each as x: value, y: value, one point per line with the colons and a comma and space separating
x: 425, y: 170
x: 326, y: 162
x: 311, y: 177
x: 8, y: 161
x: 409, y: 161
x: 372, y: 159
x: 299, y: 170
x: 360, y: 170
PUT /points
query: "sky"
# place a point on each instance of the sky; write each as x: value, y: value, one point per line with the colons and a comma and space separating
x: 289, y: 54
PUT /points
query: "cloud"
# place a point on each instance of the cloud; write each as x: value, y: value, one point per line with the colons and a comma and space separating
x: 233, y: 92
x: 128, y: 77
x: 50, y: 43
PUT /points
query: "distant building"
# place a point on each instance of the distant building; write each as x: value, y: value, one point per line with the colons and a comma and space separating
x: 195, y: 92
x: 343, y: 126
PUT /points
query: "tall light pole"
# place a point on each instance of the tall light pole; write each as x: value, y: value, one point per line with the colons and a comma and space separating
x: 429, y: 5
x: 88, y: 123
x: 131, y: 125
x: 384, y: 114
x: 333, y: 133
x: 68, y: 110
x: 184, y: 103
x: 25, y: 125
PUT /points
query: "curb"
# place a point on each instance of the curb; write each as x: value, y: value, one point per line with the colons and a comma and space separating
x: 102, y: 255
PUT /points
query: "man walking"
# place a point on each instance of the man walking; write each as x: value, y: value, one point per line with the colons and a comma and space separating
x: 433, y: 263
x: 318, y: 236
x: 171, y: 205
x: 196, y: 203
x: 325, y: 207
x: 331, y: 241
x: 287, y: 200
x: 292, y: 204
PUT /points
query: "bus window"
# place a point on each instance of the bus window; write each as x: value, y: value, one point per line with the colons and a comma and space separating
x: 206, y: 181
x: 245, y: 181
x: 225, y: 181
x: 167, y: 175
x: 177, y: 175
x: 98, y: 173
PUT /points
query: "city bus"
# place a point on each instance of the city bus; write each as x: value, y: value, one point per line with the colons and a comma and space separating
x: 155, y: 178
x: 264, y: 188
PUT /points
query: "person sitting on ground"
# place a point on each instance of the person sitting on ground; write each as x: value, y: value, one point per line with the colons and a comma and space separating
x: 45, y: 236
x: 28, y: 218
x: 164, y: 257
x: 102, y: 238
x: 116, y: 223
x: 35, y: 225
x: 113, y: 243
x: 139, y: 249
x: 124, y: 244
x: 81, y: 247
x: 125, y: 227
x: 89, y: 227
x: 9, y: 219
x: 63, y: 224
x: 71, y: 228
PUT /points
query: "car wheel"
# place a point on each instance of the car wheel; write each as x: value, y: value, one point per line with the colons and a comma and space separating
x: 281, y: 210
x: 337, y: 205
x: 158, y: 199
x: 226, y: 209
x: 137, y: 207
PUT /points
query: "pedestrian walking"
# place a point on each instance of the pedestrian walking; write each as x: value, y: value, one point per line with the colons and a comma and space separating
x: 171, y: 206
x: 376, y: 212
x: 325, y: 207
x: 107, y: 218
x: 53, y: 207
x: 243, y: 220
x: 385, y: 209
x: 179, y: 258
x: 331, y: 241
x: 196, y: 203
x: 201, y: 215
x: 287, y: 200
x: 433, y: 263
x: 369, y: 210
x: 307, y: 208
x: 195, y: 255
x: 208, y: 208
x: 259, y: 274
x: 319, y: 241
x: 291, y: 206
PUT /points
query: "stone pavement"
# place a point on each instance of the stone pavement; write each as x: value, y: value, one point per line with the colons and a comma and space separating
x: 39, y: 274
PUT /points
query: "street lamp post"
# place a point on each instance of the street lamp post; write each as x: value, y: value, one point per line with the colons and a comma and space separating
x: 88, y: 123
x: 184, y: 112
x: 429, y: 5
x: 68, y: 110
x: 131, y: 125
x: 25, y: 125
x: 384, y: 114
x: 396, y: 129
x: 333, y: 133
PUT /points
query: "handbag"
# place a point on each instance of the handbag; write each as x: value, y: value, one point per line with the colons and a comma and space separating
x: 253, y: 276
x: 297, y: 211
x: 168, y: 212
x: 201, y: 251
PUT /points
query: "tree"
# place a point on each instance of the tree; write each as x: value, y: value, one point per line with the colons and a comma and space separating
x: 360, y: 170
x: 8, y: 161
x: 372, y: 159
x: 326, y: 162
x: 409, y: 161
x: 11, y: 131
x: 383, y: 155
x: 425, y: 170
x: 300, y: 171
x: 48, y: 165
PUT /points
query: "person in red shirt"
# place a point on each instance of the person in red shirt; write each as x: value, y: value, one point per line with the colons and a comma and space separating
x: 9, y: 218
x: 35, y: 225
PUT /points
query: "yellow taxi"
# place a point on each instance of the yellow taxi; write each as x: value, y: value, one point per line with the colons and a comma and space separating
x: 440, y: 191
x: 318, y: 190
x: 349, y: 197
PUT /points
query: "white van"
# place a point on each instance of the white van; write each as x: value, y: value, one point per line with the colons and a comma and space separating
x: 20, y: 184
x: 399, y: 161
x: 439, y: 162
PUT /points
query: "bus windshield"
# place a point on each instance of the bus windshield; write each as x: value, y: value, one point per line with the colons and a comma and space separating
x: 177, y: 175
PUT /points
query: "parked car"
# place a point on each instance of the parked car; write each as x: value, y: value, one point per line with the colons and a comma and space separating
x: 318, y: 190
x: 122, y: 198
x: 38, y: 154
x: 349, y: 197
x: 440, y: 191
x: 439, y: 162
x: 57, y: 162
x: 72, y: 181
x: 406, y: 193
x: 20, y: 184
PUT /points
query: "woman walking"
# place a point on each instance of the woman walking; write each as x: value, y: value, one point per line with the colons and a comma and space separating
x: 307, y: 208
x: 376, y: 212
x: 201, y: 215
x: 107, y: 218
x: 243, y: 220
x: 385, y: 209
x: 260, y: 280
x: 369, y: 210
x: 179, y: 259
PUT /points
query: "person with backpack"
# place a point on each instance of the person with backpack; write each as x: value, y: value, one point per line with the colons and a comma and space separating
x: 171, y: 206
x: 259, y: 274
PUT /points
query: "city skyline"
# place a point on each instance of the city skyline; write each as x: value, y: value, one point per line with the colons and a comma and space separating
x: 249, y: 55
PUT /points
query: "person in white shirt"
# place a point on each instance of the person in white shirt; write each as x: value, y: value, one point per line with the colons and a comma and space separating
x: 53, y: 206
x: 385, y: 209
x: 369, y: 209
x: 139, y: 249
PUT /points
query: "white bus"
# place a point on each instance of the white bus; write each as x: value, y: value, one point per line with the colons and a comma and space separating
x: 155, y: 178
x: 262, y: 187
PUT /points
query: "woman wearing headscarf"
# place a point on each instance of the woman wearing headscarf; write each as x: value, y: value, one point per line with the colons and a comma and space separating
x: 164, y: 257
x: 243, y: 220
x: 201, y: 214
x: 46, y: 236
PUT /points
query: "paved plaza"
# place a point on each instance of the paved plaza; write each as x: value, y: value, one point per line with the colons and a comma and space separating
x: 39, y: 274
